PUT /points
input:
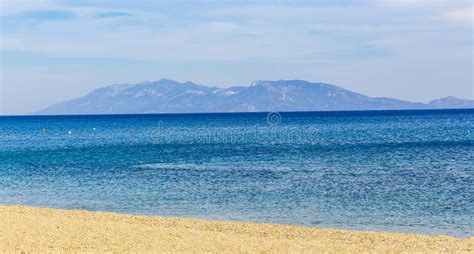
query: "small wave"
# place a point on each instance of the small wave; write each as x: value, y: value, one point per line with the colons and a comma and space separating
x: 177, y: 166
x: 214, y: 166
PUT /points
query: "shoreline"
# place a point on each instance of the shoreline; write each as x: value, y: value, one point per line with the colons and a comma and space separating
x: 33, y: 229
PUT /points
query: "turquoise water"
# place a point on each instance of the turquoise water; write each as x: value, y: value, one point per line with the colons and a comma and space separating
x: 406, y: 171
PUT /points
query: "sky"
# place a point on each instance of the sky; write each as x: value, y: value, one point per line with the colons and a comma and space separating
x: 54, y: 50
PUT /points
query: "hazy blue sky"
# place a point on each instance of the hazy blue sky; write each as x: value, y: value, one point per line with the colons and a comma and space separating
x: 52, y: 50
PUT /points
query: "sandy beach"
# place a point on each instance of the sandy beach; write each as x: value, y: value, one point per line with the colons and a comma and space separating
x: 42, y: 230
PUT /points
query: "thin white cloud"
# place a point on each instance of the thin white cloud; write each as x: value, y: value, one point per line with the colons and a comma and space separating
x: 222, y: 26
x: 12, y: 7
x: 465, y: 15
x: 273, y: 11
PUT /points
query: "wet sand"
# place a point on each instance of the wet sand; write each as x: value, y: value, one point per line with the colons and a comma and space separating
x: 50, y: 230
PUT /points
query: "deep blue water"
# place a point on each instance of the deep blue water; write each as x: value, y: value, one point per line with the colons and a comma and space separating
x: 406, y: 171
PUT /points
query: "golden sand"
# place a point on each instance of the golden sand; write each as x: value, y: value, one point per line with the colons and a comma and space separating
x: 27, y: 229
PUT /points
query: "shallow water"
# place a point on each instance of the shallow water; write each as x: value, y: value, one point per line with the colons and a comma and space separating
x: 406, y: 171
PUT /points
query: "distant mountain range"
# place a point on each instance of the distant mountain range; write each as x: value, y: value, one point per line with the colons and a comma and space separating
x: 169, y: 96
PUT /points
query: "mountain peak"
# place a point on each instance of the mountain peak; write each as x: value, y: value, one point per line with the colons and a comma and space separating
x: 280, y: 82
x: 259, y: 82
x: 451, y: 98
x: 162, y: 80
x: 451, y: 102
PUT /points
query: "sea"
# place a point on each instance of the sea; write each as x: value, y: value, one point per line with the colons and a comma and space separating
x: 406, y: 171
